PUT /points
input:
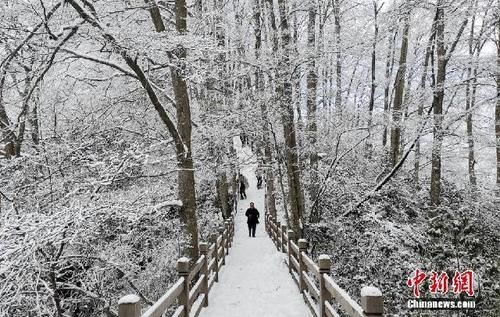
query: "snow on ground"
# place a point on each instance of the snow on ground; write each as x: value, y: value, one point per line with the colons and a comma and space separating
x: 255, y: 280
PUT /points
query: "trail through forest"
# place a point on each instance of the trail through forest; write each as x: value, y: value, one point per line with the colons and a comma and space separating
x: 255, y: 281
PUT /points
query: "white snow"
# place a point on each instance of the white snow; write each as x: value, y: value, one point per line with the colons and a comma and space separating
x: 255, y: 280
x: 129, y: 299
x: 168, y: 203
x: 370, y: 291
x: 323, y: 257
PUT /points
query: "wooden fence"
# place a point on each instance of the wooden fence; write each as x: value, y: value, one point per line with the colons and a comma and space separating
x: 314, y: 280
x: 191, y: 290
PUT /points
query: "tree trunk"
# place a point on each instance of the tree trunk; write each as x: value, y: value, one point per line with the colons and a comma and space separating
x: 154, y: 11
x: 338, y: 69
x: 296, y: 80
x: 274, y: 28
x: 420, y: 109
x: 34, y: 122
x: 223, y: 194
x: 497, y: 109
x: 312, y: 82
x: 260, y: 88
x: 323, y: 65
x: 437, y: 104
x: 187, y: 188
x: 388, y: 73
x: 399, y: 88
x: 470, y: 100
x: 295, y: 194
x: 185, y: 173
x: 371, y: 103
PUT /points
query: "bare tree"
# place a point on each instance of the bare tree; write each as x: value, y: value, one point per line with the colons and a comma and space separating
x: 389, y: 66
x: 475, y: 47
x: 420, y: 109
x: 295, y: 194
x: 399, y: 88
x: 443, y: 57
x: 180, y: 133
x: 312, y: 83
x: 338, y: 41
x: 497, y: 108
x: 371, y: 104
x: 260, y: 87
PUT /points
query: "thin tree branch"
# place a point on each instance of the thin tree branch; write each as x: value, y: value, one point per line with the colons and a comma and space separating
x: 100, y: 61
x: 132, y: 63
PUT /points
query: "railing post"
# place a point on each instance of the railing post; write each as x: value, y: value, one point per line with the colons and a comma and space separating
x: 228, y: 238
x: 271, y: 232
x: 265, y: 222
x: 232, y: 230
x: 221, y: 231
x: 302, y: 265
x: 269, y: 226
x: 283, y: 240
x: 324, y: 264
x: 372, y: 301
x: 273, y: 229
x: 268, y: 218
x: 216, y: 253
x: 291, y: 236
x: 204, y: 270
x: 183, y: 271
x: 278, y: 236
x: 129, y: 306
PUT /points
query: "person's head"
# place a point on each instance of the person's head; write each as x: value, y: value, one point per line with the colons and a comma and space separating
x: 252, y: 205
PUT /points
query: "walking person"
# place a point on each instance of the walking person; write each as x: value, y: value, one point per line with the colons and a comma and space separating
x: 243, y: 187
x: 243, y: 138
x: 252, y: 219
x: 258, y: 173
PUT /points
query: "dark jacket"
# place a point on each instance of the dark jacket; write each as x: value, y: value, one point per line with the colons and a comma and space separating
x: 252, y: 215
x: 243, y: 182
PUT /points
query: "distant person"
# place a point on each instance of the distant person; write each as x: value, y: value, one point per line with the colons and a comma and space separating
x: 243, y: 187
x: 252, y: 219
x: 258, y: 173
x: 244, y: 138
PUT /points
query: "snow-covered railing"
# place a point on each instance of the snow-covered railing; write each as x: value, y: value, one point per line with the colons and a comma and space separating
x: 314, y: 281
x: 191, y: 290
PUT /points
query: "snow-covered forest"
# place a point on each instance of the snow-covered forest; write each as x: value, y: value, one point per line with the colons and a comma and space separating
x: 377, y: 124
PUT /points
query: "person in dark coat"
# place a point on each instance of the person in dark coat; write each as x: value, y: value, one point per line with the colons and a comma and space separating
x: 243, y: 187
x: 258, y: 173
x: 252, y: 219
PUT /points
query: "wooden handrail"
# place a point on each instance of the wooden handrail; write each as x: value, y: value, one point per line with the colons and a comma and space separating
x: 294, y: 249
x: 195, y: 281
x: 320, y: 289
x: 311, y: 266
x: 166, y: 300
x: 311, y: 286
x: 196, y: 290
x: 197, y: 267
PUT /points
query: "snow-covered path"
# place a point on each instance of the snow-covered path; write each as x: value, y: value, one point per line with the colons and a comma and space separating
x: 255, y: 280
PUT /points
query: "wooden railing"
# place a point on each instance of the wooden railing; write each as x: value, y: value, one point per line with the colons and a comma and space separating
x: 191, y: 290
x: 314, y: 281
